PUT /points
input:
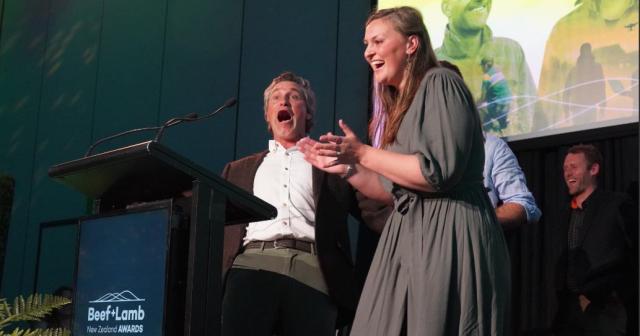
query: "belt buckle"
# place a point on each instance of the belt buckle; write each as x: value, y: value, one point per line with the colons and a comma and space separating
x: 275, y: 245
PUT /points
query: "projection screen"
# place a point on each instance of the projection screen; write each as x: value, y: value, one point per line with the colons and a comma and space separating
x: 540, y: 67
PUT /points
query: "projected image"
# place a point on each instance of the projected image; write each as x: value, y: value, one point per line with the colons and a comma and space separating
x: 495, y: 68
x: 590, y: 67
x: 538, y: 67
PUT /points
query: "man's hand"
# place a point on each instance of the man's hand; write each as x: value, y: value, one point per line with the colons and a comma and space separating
x: 584, y: 302
x: 511, y: 215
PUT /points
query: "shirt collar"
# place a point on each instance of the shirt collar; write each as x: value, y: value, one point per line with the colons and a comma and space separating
x: 574, y: 205
x: 585, y: 203
x: 453, y: 48
x: 276, y: 147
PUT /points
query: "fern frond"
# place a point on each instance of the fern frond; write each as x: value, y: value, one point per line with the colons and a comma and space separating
x: 37, y: 332
x: 6, y: 314
x: 54, y: 332
x: 4, y: 310
x: 34, y: 308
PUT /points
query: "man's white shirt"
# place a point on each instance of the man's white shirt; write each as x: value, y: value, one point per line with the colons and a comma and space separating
x: 285, y: 180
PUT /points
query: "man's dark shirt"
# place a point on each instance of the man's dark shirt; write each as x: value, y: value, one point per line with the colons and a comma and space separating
x: 575, y: 228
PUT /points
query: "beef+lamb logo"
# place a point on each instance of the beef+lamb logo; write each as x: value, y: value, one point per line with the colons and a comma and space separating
x: 112, y: 309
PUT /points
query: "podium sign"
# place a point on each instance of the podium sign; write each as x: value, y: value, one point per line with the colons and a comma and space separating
x: 122, y: 274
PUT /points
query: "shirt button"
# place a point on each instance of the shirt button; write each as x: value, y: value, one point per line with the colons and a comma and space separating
x: 286, y: 168
x: 284, y: 204
x: 284, y: 222
x: 285, y: 185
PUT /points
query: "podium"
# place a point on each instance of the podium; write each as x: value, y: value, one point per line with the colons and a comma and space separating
x: 149, y: 259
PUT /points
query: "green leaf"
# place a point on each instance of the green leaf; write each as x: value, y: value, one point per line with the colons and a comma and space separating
x: 34, y: 308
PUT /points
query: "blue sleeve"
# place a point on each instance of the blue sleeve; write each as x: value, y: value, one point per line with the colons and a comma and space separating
x: 508, y: 179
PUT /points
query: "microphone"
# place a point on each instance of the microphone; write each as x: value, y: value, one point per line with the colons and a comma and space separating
x: 174, y: 121
x: 193, y: 117
x: 160, y: 129
x: 135, y: 130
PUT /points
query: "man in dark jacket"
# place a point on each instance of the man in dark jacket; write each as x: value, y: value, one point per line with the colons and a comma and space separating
x: 291, y: 275
x: 595, y: 278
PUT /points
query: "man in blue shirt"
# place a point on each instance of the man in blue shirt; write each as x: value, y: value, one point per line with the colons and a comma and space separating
x: 506, y: 185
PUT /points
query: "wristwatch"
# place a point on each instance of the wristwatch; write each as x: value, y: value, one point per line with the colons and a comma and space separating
x: 351, y: 170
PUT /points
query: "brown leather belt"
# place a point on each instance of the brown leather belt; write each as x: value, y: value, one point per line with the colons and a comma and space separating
x: 283, y: 243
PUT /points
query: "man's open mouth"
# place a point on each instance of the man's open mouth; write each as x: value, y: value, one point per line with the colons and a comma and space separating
x: 284, y: 115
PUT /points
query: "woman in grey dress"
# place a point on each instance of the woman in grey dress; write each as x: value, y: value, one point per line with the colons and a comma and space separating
x: 441, y: 266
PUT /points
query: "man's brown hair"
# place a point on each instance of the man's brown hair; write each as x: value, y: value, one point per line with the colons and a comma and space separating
x: 591, y: 153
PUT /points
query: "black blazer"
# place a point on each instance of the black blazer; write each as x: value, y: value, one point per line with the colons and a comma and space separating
x: 604, y: 256
x: 335, y: 200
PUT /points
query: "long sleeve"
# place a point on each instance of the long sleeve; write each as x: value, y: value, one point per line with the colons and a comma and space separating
x: 505, y: 180
x: 444, y: 131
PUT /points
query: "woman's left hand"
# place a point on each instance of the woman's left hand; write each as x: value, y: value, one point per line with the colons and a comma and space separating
x: 345, y: 149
